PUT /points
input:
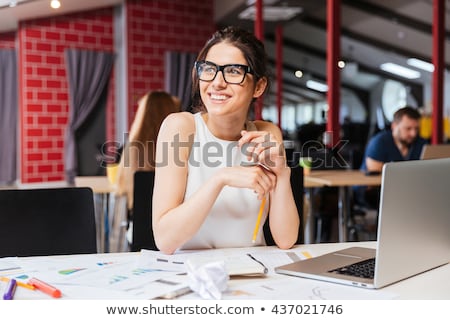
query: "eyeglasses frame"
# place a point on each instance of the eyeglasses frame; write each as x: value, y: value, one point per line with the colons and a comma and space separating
x: 247, y: 69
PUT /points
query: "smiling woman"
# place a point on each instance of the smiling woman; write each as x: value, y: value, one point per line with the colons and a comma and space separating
x: 216, y: 201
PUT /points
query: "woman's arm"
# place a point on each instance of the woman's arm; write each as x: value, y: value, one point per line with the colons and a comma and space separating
x: 267, y: 146
x: 175, y: 219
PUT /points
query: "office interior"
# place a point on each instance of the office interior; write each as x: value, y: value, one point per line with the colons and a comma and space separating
x: 141, y: 36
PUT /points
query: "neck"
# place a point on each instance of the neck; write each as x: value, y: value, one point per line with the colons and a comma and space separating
x: 225, y: 129
x: 402, y: 147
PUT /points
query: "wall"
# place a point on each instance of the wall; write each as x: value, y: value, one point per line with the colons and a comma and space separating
x: 43, y: 88
x: 7, y: 40
x: 153, y: 27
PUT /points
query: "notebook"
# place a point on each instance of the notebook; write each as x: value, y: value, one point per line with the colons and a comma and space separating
x: 435, y: 151
x: 413, y: 229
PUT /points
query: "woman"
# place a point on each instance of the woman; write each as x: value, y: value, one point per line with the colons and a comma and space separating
x: 204, y: 197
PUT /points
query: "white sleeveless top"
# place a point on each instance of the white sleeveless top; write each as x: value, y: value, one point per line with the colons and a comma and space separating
x: 232, y: 218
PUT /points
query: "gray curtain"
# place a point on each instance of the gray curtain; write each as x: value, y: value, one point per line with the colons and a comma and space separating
x: 178, y: 70
x: 88, y: 74
x: 8, y: 116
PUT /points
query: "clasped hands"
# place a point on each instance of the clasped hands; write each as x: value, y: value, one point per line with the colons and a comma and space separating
x: 261, y: 148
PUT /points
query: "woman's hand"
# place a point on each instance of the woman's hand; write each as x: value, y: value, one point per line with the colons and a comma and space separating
x: 262, y: 147
x: 256, y: 178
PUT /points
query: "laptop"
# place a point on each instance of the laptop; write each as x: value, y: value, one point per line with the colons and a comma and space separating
x: 413, y: 230
x: 435, y: 151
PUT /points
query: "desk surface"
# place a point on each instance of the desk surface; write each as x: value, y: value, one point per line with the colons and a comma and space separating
x: 106, y: 284
x: 334, y: 178
x: 98, y: 184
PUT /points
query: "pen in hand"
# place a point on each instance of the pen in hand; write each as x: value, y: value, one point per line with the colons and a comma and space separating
x: 258, y: 219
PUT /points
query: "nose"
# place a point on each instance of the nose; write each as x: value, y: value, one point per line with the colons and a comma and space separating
x: 219, y: 80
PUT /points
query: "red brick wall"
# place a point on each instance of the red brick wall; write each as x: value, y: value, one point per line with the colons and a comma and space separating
x: 43, y: 90
x: 7, y: 40
x: 155, y: 27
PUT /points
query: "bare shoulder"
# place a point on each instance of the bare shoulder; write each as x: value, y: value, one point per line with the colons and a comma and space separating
x: 181, y: 123
x: 269, y: 127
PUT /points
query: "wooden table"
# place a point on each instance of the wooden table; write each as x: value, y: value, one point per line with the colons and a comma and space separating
x: 344, y: 180
x: 101, y: 186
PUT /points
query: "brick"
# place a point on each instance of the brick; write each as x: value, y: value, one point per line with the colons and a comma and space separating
x: 53, y: 60
x: 54, y: 156
x: 44, y: 144
x: 34, y: 132
x: 50, y: 35
x: 34, y: 83
x: 54, y: 108
x: 71, y: 37
x: 44, y: 120
x: 54, y: 132
x: 44, y: 47
x: 44, y: 95
x: 80, y: 27
x: 42, y: 71
x: 31, y: 33
x: 34, y: 157
x: 54, y: 84
x: 89, y: 39
x: 33, y: 58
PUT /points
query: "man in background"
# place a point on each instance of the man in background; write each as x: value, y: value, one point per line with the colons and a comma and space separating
x: 401, y: 143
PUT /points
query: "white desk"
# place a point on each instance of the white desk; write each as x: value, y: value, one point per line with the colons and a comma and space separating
x: 434, y: 284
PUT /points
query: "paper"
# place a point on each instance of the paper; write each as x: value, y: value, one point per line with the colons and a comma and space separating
x: 208, y: 280
x: 235, y: 263
x: 295, y: 288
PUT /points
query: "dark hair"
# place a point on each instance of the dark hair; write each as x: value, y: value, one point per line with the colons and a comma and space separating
x: 252, y: 49
x: 407, y: 111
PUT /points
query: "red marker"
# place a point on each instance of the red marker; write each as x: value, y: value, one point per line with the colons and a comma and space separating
x: 45, y: 287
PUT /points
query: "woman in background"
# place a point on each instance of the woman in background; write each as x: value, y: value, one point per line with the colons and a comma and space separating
x: 139, y: 151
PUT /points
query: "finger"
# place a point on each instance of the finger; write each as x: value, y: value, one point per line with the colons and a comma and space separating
x: 248, y: 136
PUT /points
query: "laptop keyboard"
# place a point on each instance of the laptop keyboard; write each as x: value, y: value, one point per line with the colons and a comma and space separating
x: 363, y: 269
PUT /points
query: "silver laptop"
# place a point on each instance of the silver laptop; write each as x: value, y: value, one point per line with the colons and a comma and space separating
x: 435, y: 151
x: 413, y: 230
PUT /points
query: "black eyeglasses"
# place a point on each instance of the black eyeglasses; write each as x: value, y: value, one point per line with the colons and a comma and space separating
x: 232, y: 73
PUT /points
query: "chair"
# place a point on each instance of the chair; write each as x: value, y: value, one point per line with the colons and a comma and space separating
x: 47, y: 222
x: 297, y: 191
x: 142, y: 211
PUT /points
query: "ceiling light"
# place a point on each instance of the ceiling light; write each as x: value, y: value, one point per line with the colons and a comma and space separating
x: 420, y: 64
x: 298, y: 73
x: 271, y: 13
x: 55, y: 4
x: 341, y: 64
x: 316, y: 85
x: 400, y: 70
x: 265, y: 2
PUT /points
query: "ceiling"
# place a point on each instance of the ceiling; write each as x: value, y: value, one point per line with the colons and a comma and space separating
x: 32, y: 9
x: 373, y: 32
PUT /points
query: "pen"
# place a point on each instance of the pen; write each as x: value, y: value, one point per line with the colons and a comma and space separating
x: 258, y: 219
x: 45, y: 287
x: 19, y: 283
x: 10, y: 289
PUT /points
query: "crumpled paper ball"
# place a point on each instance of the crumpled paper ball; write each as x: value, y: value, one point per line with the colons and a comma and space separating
x: 208, y: 280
